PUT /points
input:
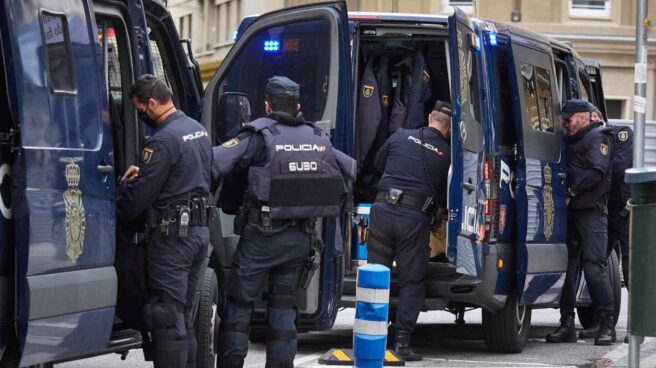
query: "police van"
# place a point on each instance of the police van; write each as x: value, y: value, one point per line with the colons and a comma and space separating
x: 505, y: 243
x: 71, y: 281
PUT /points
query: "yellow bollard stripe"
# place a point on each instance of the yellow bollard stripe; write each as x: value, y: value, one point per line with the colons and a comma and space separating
x: 389, y: 357
x: 341, y: 356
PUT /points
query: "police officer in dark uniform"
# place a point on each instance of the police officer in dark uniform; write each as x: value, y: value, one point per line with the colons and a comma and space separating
x: 292, y: 176
x: 172, y: 185
x: 621, y: 138
x: 588, y: 168
x: 415, y: 164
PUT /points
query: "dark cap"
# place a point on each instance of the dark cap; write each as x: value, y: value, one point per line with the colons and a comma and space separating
x: 443, y: 107
x: 282, y: 87
x: 571, y: 107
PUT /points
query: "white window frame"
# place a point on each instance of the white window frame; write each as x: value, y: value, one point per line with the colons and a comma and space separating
x: 590, y: 13
x: 447, y: 7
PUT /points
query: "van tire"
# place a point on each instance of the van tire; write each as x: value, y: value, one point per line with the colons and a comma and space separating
x: 506, y: 331
x: 588, y: 314
x: 207, y: 322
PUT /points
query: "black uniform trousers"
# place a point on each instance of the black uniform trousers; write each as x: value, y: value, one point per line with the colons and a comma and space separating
x: 279, y: 257
x: 174, y: 266
x: 587, y: 237
x: 618, y: 232
x: 401, y: 234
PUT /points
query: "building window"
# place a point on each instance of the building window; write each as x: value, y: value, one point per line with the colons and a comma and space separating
x: 615, y: 108
x: 226, y: 15
x: 589, y: 8
x: 465, y: 5
x: 185, y: 27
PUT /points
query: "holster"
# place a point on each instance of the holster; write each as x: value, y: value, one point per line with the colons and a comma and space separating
x: 313, y: 260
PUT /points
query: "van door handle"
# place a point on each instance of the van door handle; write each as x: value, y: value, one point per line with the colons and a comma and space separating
x: 105, y: 169
x: 469, y: 187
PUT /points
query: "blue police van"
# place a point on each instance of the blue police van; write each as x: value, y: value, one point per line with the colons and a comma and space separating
x: 71, y: 281
x: 505, y: 243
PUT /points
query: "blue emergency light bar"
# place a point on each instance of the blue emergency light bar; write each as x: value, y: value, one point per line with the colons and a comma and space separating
x: 272, y: 45
x: 493, y: 39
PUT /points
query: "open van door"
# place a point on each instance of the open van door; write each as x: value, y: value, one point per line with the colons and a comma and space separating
x: 310, y: 45
x: 466, y: 221
x: 63, y: 181
x: 541, y: 185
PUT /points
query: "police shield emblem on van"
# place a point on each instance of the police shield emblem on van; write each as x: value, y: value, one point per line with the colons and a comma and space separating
x: 75, y: 220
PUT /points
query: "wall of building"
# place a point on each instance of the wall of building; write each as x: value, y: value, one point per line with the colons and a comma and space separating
x: 607, y: 35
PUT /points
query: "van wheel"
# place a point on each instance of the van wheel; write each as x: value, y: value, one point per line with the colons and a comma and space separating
x: 207, y: 323
x: 588, y: 315
x: 506, y: 331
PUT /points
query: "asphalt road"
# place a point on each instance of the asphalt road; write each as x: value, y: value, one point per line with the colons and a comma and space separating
x: 445, y: 345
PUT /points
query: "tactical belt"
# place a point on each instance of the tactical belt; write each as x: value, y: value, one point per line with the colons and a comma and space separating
x: 406, y: 199
x: 181, y: 215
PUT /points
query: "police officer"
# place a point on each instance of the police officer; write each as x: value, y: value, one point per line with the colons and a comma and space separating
x: 414, y: 163
x: 588, y: 169
x: 172, y: 185
x: 621, y: 138
x: 292, y: 176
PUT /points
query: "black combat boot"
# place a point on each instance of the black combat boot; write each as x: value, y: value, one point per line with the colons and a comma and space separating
x: 402, y: 347
x: 606, y: 335
x: 566, y: 332
x: 590, y: 333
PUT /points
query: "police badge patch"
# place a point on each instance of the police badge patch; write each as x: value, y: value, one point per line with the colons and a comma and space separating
x: 603, y: 148
x: 147, y: 154
x: 623, y: 136
x: 385, y: 100
x: 367, y: 90
x: 231, y: 143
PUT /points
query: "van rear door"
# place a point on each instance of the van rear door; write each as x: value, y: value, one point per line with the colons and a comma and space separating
x: 541, y: 184
x: 466, y: 211
x: 310, y: 45
x: 63, y: 181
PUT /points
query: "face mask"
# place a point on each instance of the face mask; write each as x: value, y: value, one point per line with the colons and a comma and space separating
x: 143, y: 115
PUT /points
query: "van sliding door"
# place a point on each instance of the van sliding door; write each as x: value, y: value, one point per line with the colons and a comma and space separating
x: 63, y: 181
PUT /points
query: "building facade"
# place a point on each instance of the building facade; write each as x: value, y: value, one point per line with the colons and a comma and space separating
x: 600, y: 29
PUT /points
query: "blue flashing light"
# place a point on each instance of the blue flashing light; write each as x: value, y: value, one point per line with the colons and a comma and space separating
x: 493, y: 39
x: 235, y: 34
x: 478, y: 44
x: 271, y: 45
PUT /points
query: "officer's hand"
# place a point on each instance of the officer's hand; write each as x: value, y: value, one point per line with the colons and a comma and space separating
x: 131, y: 173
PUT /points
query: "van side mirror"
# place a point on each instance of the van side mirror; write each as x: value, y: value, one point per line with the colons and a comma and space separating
x: 234, y: 111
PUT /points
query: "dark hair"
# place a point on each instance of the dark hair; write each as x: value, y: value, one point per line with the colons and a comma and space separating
x: 288, y: 105
x: 148, y: 86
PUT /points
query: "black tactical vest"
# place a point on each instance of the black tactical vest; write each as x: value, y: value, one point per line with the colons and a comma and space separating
x: 301, y: 177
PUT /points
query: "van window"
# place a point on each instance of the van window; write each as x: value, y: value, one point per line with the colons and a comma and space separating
x: 584, y: 86
x: 59, y: 61
x: 161, y: 65
x: 506, y: 123
x: 299, y: 51
x: 562, y: 81
x: 537, y: 94
x: 472, y: 138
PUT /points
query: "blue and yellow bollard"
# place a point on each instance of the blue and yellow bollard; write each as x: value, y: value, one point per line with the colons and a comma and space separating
x: 371, y: 309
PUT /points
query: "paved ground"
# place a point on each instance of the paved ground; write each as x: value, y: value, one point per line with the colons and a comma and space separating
x: 446, y: 345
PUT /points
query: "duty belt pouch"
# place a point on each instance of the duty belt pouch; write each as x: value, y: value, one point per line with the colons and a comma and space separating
x: 394, y: 196
x: 241, y: 220
x: 184, y: 222
x: 151, y: 218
